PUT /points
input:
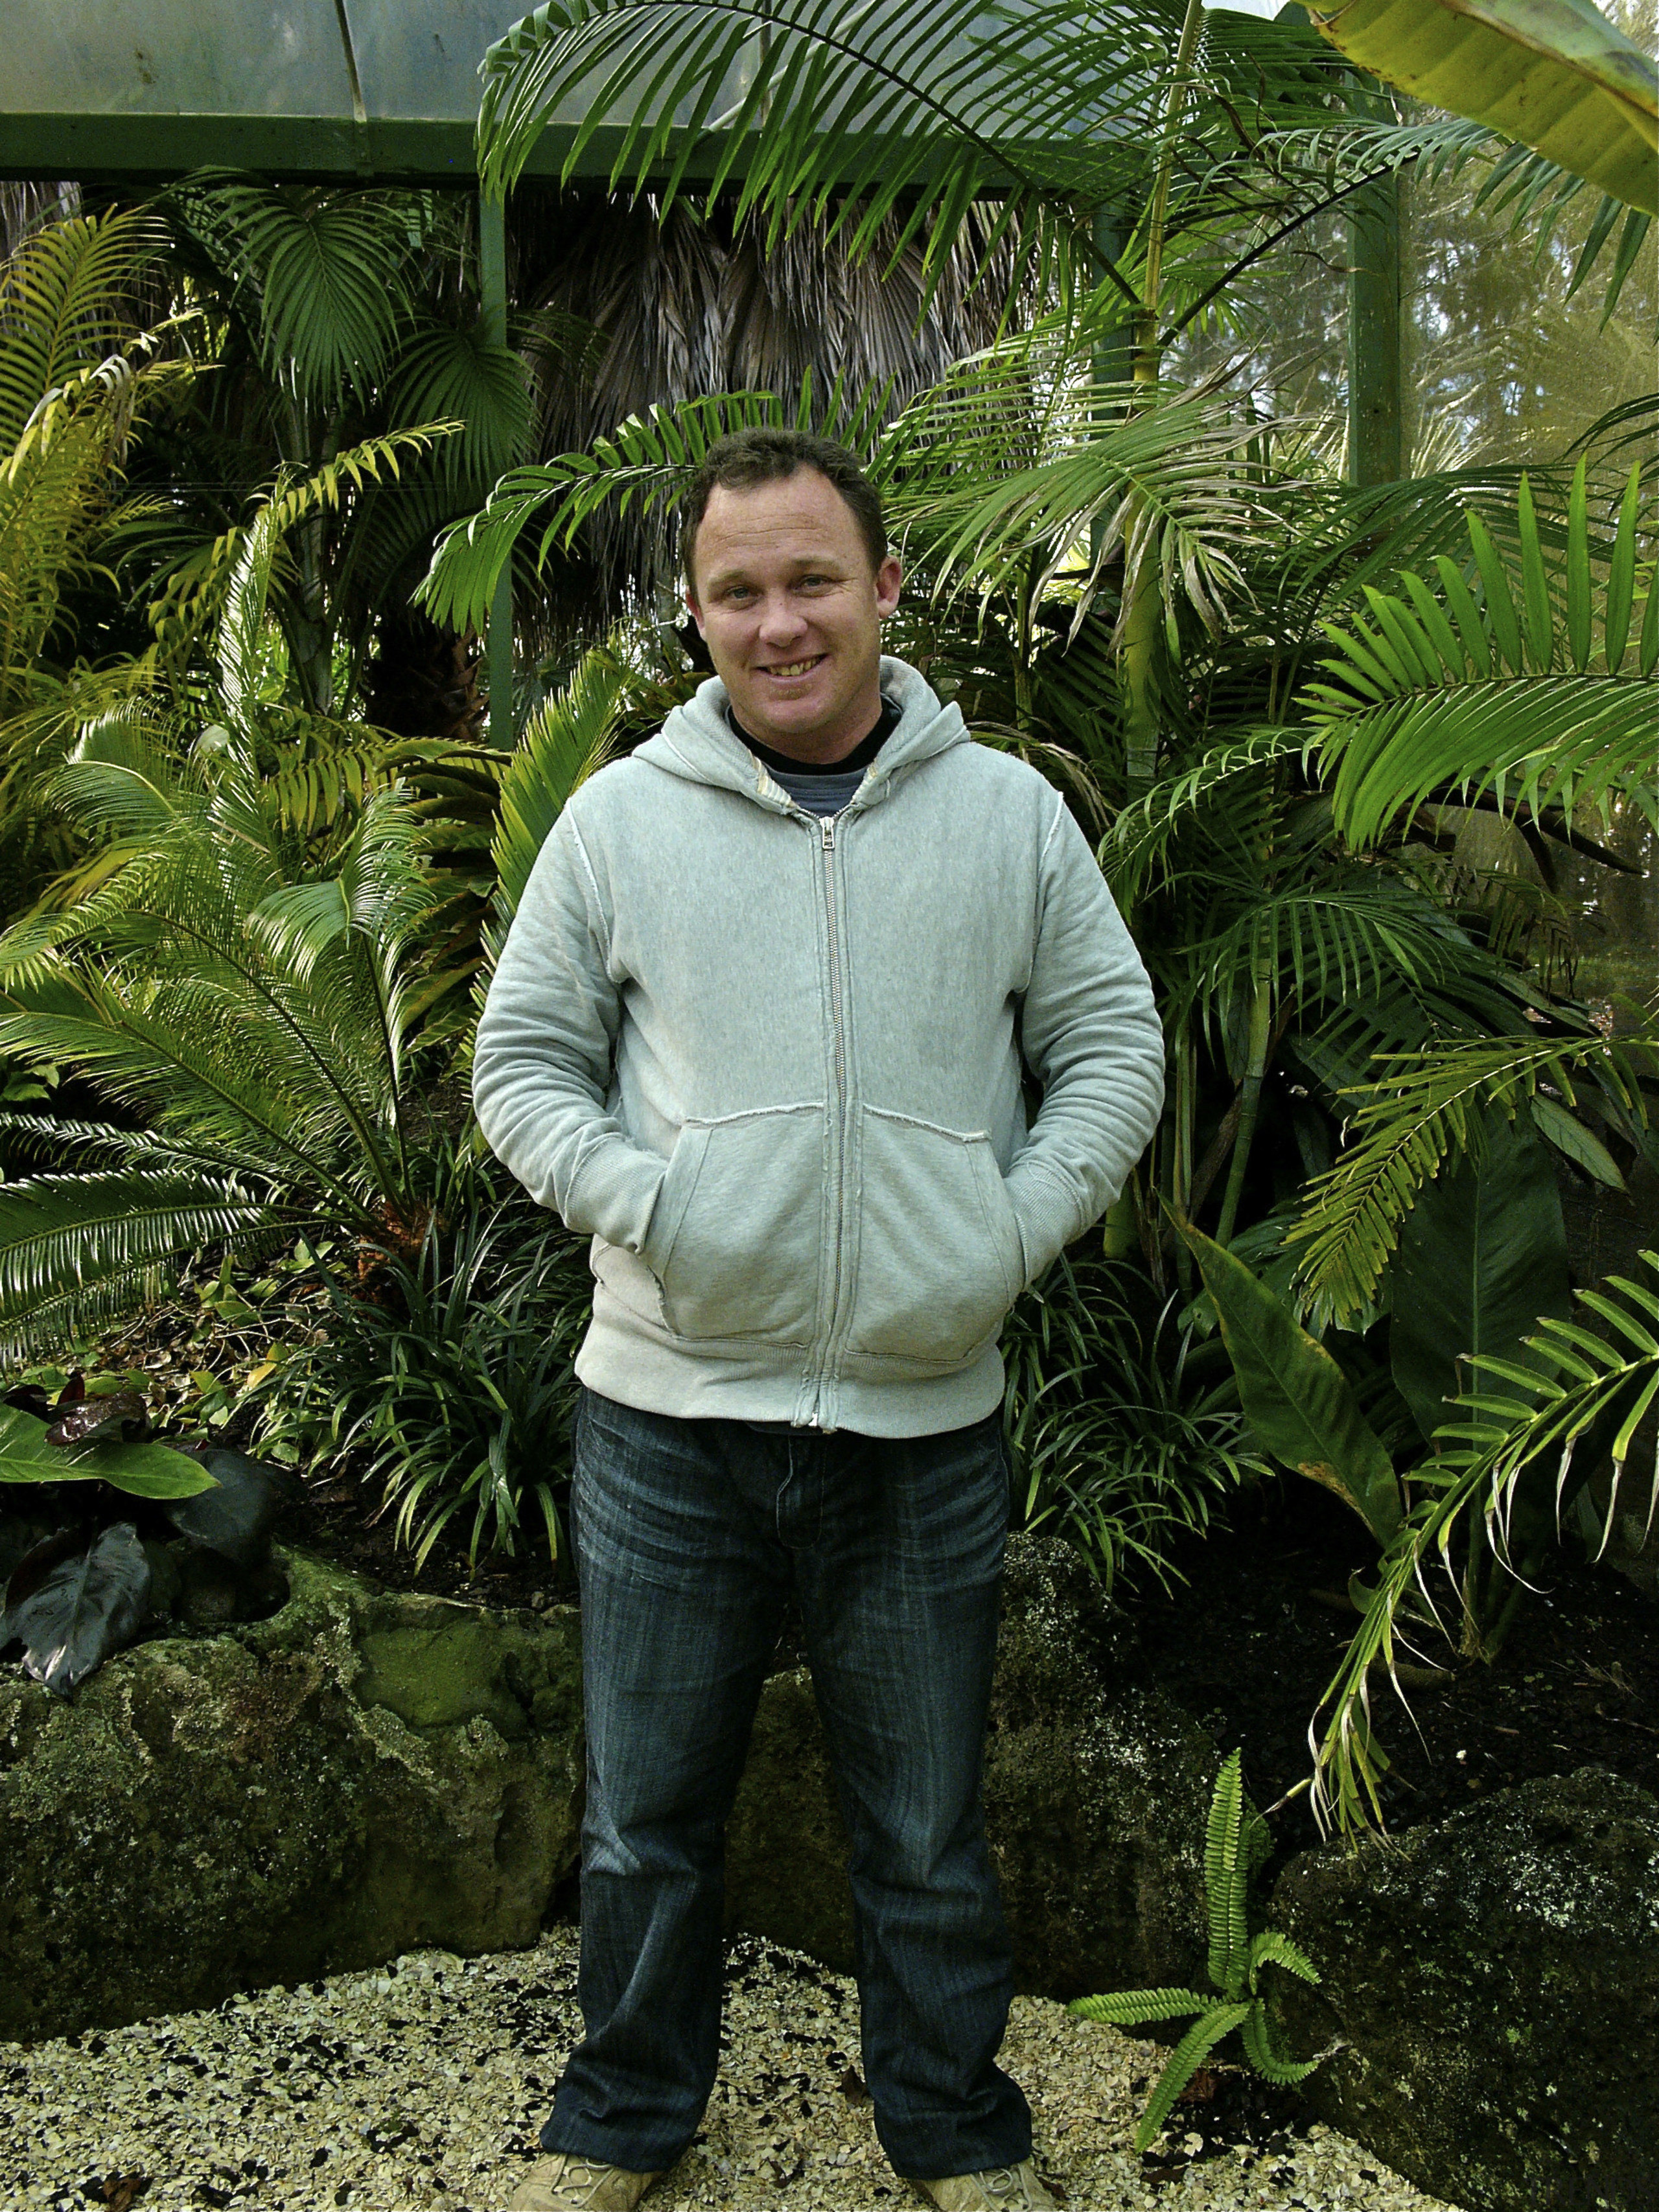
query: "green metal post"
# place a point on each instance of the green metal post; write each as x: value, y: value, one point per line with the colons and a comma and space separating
x: 1377, y: 451
x: 492, y: 294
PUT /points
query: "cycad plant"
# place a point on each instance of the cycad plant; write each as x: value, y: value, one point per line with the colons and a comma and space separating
x: 1235, y: 1846
x: 243, y: 994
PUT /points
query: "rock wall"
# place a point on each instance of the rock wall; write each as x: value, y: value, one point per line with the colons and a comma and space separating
x: 1492, y: 1981
x: 359, y: 1775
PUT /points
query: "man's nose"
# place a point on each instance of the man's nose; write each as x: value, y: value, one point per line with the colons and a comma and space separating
x: 780, y: 618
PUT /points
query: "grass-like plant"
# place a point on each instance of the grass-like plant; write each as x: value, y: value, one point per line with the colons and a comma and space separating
x: 451, y: 1370
x: 1236, y: 1845
x: 1121, y: 1443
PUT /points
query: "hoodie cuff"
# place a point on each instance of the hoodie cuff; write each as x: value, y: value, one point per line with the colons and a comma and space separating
x: 614, y: 1193
x: 1047, y: 1211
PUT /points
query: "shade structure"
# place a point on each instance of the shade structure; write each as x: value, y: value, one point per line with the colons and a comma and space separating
x: 367, y: 89
x: 350, y: 88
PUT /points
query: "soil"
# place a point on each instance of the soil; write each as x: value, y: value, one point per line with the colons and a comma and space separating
x: 1251, y: 1640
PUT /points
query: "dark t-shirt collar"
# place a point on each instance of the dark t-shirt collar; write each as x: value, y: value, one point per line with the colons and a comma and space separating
x: 855, y: 761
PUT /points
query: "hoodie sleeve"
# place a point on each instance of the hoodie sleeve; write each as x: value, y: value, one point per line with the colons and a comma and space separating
x: 542, y: 1061
x: 1091, y: 1036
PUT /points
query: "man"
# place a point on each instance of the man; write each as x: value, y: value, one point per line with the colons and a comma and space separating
x: 759, y: 1028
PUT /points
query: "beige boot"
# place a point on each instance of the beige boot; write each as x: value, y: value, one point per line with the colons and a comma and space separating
x: 566, y: 2184
x: 995, y: 2190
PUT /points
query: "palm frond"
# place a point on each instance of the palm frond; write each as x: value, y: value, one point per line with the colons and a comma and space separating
x: 75, y: 1248
x: 1585, y: 1393
x: 644, y: 468
x: 1422, y: 1106
x: 564, y: 741
x: 1459, y: 699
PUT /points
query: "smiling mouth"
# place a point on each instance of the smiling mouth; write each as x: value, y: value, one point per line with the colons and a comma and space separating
x: 787, y: 668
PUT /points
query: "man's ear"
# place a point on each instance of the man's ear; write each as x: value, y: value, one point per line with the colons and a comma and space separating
x: 695, y: 610
x: 889, y: 580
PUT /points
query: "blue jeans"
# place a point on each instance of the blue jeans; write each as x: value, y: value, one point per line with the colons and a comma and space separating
x: 689, y: 1535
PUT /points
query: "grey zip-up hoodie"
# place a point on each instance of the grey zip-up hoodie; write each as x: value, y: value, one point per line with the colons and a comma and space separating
x: 772, y: 1064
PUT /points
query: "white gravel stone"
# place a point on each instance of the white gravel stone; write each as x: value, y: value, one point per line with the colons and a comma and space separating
x: 425, y: 2084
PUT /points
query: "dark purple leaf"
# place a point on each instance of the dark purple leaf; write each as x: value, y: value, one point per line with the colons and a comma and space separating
x: 237, y: 1518
x: 88, y: 1417
x: 30, y: 1398
x: 74, y: 1390
x: 85, y: 1607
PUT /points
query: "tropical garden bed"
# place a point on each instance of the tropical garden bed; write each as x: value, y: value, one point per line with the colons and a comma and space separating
x: 1354, y: 700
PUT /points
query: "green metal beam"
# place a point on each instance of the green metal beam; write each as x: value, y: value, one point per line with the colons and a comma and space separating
x: 99, y: 148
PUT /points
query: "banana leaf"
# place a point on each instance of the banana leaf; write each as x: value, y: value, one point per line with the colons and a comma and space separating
x: 1554, y: 74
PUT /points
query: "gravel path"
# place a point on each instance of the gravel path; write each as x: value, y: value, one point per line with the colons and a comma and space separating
x: 423, y: 2084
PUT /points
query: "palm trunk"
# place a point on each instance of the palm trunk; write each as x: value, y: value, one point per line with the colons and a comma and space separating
x: 1261, y: 1032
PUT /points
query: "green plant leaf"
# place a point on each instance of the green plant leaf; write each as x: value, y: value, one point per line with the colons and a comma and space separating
x: 142, y: 1470
x: 1226, y: 1878
x: 1581, y: 611
x: 1297, y: 1399
x: 1194, y: 2046
x: 1270, y: 1948
x: 1554, y: 74
x: 1568, y: 1135
x: 1483, y: 1256
x: 1254, y: 2035
x: 1128, y: 2008
x: 1621, y: 572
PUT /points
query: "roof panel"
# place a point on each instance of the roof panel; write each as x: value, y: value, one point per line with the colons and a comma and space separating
x: 177, y: 57
x: 423, y: 60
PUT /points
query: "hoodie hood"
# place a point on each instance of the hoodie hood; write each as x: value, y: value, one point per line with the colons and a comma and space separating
x: 698, y: 743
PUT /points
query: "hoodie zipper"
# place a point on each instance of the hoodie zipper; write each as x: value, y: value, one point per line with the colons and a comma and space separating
x: 826, y: 826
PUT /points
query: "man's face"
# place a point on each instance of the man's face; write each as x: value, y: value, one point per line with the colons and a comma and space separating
x: 784, y: 596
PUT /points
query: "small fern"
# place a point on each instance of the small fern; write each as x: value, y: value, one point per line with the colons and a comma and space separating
x: 1236, y: 1845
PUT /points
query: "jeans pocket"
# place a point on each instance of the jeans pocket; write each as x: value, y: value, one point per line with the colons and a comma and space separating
x: 736, y: 1236
x: 940, y: 1260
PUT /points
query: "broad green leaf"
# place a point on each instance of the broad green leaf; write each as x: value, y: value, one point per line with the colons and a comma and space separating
x: 1569, y: 1135
x: 142, y: 1470
x: 1296, y: 1397
x: 1554, y: 74
x: 1482, y: 1255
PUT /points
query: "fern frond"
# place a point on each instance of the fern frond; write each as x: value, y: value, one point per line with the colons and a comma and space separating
x: 1271, y: 1948
x: 1129, y: 2007
x: 1254, y: 2034
x: 1200, y: 2038
x: 1226, y: 1879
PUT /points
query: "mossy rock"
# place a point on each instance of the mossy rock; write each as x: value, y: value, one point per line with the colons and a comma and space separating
x: 1096, y: 1789
x: 364, y: 1772
x: 1491, y: 1984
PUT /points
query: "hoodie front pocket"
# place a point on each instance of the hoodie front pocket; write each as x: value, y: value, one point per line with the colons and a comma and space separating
x: 939, y: 1261
x: 736, y: 1235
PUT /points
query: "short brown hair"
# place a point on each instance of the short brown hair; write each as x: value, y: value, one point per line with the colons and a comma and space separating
x: 765, y: 455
